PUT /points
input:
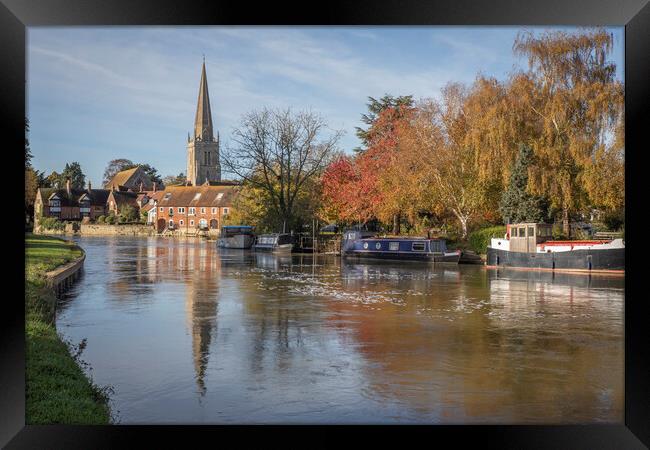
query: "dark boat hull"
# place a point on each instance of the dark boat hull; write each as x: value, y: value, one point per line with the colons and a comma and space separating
x: 406, y: 256
x: 576, y: 260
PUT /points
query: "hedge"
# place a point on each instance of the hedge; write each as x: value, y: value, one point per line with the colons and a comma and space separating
x: 479, y: 239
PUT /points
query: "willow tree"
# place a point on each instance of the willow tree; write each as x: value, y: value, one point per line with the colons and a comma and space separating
x: 280, y: 153
x: 576, y: 101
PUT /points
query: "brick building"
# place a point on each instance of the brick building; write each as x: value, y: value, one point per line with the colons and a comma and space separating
x: 70, y: 203
x: 190, y: 209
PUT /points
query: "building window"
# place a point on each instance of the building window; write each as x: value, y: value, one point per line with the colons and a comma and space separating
x: 171, y: 223
x: 191, y: 223
x: 180, y: 222
x: 181, y: 210
x: 203, y: 224
x: 214, y: 210
x: 202, y: 210
x: 192, y: 211
x: 171, y: 211
x: 162, y: 209
x: 225, y: 211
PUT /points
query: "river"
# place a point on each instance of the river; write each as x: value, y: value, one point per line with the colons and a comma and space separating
x: 188, y: 334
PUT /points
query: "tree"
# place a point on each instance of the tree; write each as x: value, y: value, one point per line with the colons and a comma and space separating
x: 517, y: 204
x: 280, y: 152
x: 375, y: 108
x: 171, y: 180
x: 127, y: 214
x: 53, y: 180
x: 76, y: 175
x: 28, y: 151
x: 31, y: 186
x: 152, y: 173
x: 577, y: 103
x: 114, y: 166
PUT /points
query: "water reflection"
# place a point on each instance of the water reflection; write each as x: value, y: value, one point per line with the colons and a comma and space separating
x: 188, y: 333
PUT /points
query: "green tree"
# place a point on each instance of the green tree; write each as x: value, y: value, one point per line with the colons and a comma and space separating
x: 76, y: 175
x: 128, y: 214
x: 517, y: 204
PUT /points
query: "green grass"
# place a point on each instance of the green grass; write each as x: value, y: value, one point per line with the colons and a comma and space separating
x: 57, y: 390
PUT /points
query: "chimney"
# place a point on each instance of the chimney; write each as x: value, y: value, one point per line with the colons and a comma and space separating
x: 154, y: 186
x: 141, y: 186
x: 90, y: 187
x: 67, y: 186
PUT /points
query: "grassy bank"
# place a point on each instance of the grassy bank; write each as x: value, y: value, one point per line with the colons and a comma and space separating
x: 57, y: 390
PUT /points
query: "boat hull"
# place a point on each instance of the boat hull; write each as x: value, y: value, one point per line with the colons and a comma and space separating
x: 450, y: 258
x: 240, y: 241
x: 272, y: 248
x: 606, y: 260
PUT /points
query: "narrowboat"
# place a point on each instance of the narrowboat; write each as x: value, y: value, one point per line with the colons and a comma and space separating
x: 276, y: 243
x: 236, y: 236
x: 530, y: 245
x: 364, y: 244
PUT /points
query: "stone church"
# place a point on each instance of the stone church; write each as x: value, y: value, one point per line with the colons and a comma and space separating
x: 203, y: 147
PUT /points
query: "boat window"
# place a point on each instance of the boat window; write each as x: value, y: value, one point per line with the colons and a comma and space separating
x: 522, y: 232
x: 365, y: 245
x: 394, y: 246
x: 418, y: 246
x: 531, y: 231
x: 434, y: 246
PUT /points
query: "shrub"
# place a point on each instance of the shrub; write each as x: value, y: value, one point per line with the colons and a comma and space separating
x: 128, y: 214
x: 101, y: 219
x: 110, y: 219
x: 52, y: 223
x: 479, y: 239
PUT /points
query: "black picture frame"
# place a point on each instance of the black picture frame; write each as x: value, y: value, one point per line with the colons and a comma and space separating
x: 15, y: 15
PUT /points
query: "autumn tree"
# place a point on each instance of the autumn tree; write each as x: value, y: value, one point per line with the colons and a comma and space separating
x: 280, y: 152
x: 577, y: 102
x: 375, y: 107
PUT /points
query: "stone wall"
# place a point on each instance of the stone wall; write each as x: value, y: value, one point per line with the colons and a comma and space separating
x: 118, y: 230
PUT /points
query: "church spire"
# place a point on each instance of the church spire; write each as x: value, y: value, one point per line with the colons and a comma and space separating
x: 203, y: 119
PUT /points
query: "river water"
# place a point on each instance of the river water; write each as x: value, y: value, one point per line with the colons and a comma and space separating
x: 185, y: 333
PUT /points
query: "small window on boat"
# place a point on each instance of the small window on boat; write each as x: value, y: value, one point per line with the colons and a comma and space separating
x: 434, y: 246
x: 365, y: 245
x: 418, y: 246
x: 393, y: 246
x: 531, y: 231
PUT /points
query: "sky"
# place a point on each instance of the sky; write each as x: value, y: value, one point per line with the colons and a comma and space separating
x: 100, y: 93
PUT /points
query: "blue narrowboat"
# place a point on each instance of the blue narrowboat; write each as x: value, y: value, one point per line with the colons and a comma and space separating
x: 365, y: 244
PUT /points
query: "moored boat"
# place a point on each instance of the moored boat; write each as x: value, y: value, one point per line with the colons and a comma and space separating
x: 236, y: 236
x: 275, y: 242
x: 364, y: 244
x: 529, y: 245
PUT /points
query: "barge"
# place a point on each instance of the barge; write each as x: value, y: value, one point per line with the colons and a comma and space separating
x: 236, y: 236
x: 365, y: 244
x: 276, y: 243
x: 529, y: 246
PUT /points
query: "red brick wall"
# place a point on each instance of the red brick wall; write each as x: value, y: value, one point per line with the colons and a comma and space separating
x: 186, y: 217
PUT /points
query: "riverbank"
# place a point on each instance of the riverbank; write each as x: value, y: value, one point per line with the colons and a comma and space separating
x: 57, y: 390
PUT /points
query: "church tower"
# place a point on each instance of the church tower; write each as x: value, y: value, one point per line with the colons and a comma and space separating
x: 202, y: 148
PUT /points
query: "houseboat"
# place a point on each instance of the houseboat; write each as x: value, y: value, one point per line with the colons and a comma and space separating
x: 276, y: 243
x: 365, y: 244
x: 236, y: 236
x: 530, y: 245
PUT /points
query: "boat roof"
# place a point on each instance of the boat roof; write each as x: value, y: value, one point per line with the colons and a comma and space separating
x: 237, y: 226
